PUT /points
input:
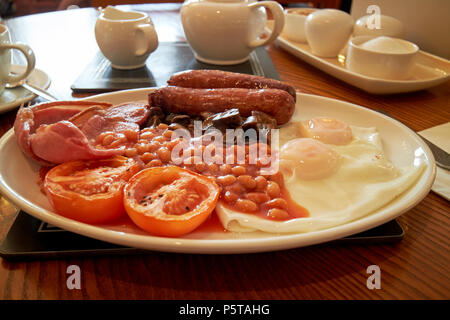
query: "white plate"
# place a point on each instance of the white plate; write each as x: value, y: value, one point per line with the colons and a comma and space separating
x: 18, y: 176
x: 12, y: 98
x: 429, y: 70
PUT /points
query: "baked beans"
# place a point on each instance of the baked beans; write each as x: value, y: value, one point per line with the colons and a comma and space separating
x: 247, y: 181
x: 261, y: 183
x: 159, y: 139
x: 172, y: 143
x: 243, y: 187
x: 147, y: 156
x: 131, y: 152
x: 225, y: 169
x: 162, y: 126
x: 164, y: 154
x: 246, y: 205
x: 230, y: 197
x: 237, y: 188
x: 277, y: 214
x: 213, y: 168
x: 154, y: 163
x: 273, y: 189
x: 153, y: 146
x: 258, y: 197
x: 238, y: 170
x: 168, y: 134
x: 142, y: 147
x: 226, y: 180
x: 277, y: 203
x: 131, y: 135
x: 147, y: 135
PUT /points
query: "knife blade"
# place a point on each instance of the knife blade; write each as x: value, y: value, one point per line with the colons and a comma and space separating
x: 441, y: 157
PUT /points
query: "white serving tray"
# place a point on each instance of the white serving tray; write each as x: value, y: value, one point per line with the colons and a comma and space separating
x: 429, y: 70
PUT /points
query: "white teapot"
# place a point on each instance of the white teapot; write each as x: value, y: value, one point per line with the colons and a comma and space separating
x: 126, y: 38
x: 225, y: 32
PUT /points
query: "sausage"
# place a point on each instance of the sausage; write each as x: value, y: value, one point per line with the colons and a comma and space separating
x: 209, y: 79
x: 277, y: 103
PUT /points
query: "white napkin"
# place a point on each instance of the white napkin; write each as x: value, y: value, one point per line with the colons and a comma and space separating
x: 440, y: 136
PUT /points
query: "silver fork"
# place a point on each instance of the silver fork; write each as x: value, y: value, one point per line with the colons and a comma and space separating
x: 25, y: 105
x: 28, y: 104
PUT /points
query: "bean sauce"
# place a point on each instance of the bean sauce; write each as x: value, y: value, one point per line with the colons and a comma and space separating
x: 243, y: 186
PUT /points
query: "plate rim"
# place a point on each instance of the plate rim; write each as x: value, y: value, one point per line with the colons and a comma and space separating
x: 224, y: 246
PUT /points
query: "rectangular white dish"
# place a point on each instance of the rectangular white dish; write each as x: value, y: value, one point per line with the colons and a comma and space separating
x: 429, y: 70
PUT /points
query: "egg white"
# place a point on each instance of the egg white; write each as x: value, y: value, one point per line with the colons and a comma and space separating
x: 365, y: 181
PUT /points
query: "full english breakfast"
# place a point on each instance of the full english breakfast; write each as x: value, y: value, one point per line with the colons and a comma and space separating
x: 208, y: 143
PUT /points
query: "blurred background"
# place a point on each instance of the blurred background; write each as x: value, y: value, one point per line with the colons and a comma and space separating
x: 16, y: 8
x: 426, y: 22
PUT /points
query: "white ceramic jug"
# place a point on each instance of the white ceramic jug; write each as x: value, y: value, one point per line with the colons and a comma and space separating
x: 225, y: 32
x: 126, y: 38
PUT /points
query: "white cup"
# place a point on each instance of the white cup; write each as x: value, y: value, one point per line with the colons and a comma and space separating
x: 327, y: 31
x: 126, y: 38
x: 378, y: 64
x: 294, y: 26
x: 5, y: 59
x: 225, y: 32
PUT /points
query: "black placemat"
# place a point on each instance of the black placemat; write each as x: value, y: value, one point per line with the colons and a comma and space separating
x: 167, y: 59
x: 30, y: 238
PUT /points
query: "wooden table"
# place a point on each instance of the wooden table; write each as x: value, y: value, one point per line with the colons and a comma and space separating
x: 415, y: 268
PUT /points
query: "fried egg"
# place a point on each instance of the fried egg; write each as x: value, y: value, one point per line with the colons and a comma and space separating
x: 339, y: 173
x: 326, y: 130
x: 308, y: 159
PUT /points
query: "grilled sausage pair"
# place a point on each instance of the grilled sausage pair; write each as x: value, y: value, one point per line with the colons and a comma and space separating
x: 196, y: 91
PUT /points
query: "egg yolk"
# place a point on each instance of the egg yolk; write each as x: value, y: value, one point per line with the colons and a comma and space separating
x: 327, y: 130
x: 308, y: 159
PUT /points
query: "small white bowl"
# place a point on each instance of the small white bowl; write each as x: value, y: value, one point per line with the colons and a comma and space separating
x: 294, y: 23
x: 381, y: 62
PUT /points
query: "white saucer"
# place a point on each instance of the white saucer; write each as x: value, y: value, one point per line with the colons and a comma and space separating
x: 12, y: 98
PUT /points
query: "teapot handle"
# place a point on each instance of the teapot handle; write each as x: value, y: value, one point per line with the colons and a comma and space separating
x: 151, y: 39
x: 278, y: 15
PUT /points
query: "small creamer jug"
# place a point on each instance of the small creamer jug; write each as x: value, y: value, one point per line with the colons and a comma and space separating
x: 126, y: 38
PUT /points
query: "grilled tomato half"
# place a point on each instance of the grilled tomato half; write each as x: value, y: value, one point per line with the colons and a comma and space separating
x: 89, y: 191
x: 170, y: 201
